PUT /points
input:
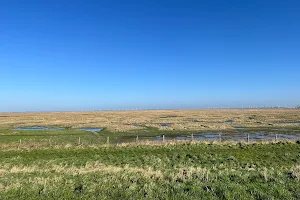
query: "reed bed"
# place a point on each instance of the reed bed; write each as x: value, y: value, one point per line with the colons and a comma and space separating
x: 122, y: 121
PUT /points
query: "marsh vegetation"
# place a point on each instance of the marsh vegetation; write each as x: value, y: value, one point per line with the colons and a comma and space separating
x: 178, y: 120
x: 48, y: 156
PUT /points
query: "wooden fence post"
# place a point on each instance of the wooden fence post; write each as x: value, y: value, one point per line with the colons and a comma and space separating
x: 107, y: 140
x: 20, y: 142
x: 248, y: 138
x: 163, y: 138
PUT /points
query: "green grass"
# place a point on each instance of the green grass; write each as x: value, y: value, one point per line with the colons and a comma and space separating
x: 46, y: 137
x: 55, y: 165
x: 168, y: 171
x: 71, y: 136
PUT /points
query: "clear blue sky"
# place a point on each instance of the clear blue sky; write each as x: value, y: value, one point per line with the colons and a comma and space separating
x: 81, y: 55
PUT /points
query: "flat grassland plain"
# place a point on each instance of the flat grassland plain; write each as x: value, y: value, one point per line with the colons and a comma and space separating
x: 70, y: 163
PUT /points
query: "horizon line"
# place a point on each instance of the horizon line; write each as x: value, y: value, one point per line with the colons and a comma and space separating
x: 160, y: 109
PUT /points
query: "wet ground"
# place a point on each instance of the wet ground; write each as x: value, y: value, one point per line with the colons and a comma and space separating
x: 219, y: 136
x: 38, y: 128
x: 165, y: 124
x: 295, y: 123
x: 241, y: 134
x: 91, y: 129
x: 42, y: 128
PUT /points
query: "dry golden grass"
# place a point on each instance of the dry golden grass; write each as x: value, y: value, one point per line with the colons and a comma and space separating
x: 90, y: 167
x: 296, y: 172
x: 120, y: 121
x: 38, y: 146
x: 62, y: 170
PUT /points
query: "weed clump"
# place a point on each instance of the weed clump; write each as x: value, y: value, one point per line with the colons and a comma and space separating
x: 295, y: 172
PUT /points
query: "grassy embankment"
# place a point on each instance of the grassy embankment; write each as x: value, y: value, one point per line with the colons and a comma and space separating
x: 186, y: 170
